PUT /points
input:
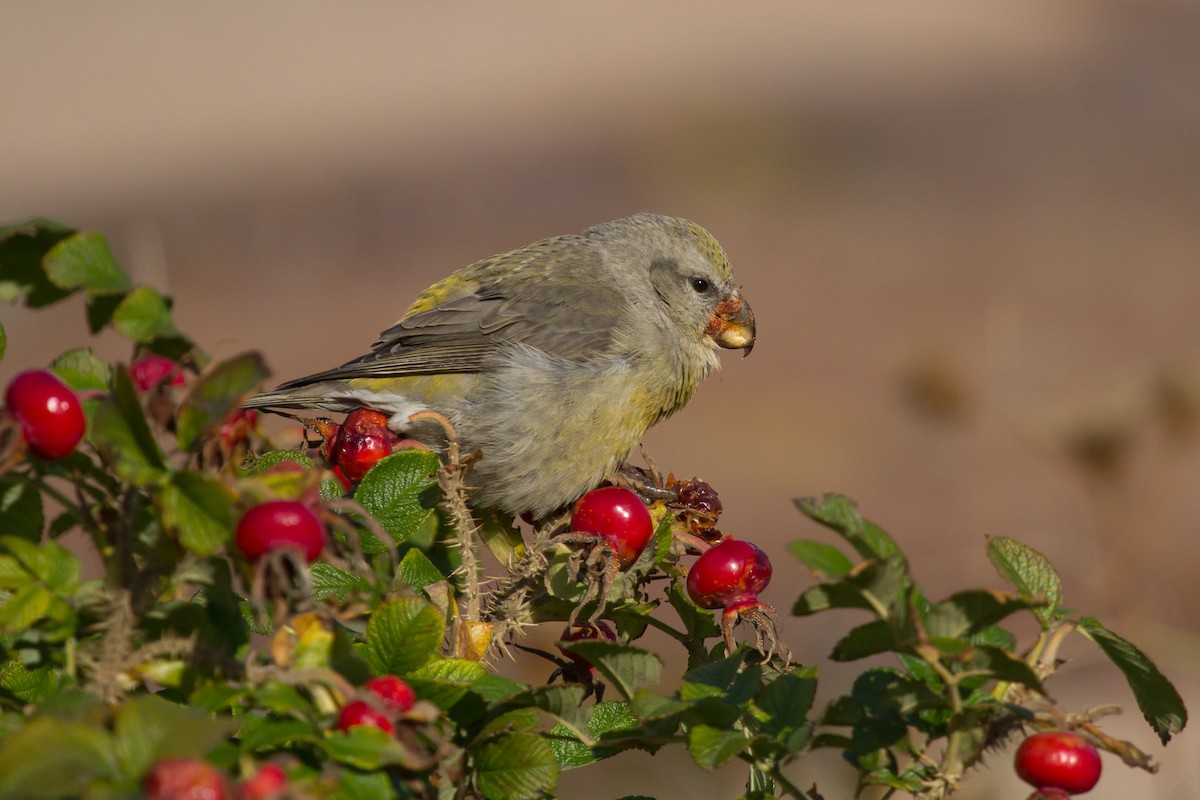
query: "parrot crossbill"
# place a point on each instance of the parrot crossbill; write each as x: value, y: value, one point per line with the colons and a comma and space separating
x: 553, y: 359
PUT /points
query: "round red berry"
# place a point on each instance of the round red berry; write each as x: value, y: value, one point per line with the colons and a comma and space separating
x: 393, y: 692
x: 362, y: 439
x: 618, y: 516
x: 360, y: 712
x: 1058, y: 760
x: 280, y: 523
x: 729, y: 574
x: 268, y: 783
x: 184, y: 779
x: 48, y: 412
x: 152, y: 369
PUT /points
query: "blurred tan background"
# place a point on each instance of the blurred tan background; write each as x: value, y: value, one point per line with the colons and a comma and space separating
x: 970, y: 233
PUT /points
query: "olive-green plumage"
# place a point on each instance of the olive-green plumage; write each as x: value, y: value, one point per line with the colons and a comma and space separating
x: 552, y: 359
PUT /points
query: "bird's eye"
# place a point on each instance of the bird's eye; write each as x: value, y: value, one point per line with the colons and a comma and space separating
x: 701, y: 285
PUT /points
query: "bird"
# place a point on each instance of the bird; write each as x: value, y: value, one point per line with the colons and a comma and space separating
x: 552, y: 360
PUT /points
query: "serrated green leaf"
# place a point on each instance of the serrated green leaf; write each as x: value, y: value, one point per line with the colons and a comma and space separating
x: 401, y: 491
x: 786, y: 701
x: 840, y: 514
x: 417, y: 571
x: 267, y: 461
x: 148, y: 728
x: 199, y: 510
x: 21, y: 512
x: 83, y: 371
x: 27, y: 685
x: 520, y: 766
x: 877, y: 586
x: 330, y: 581
x: 270, y: 734
x: 26, y: 606
x: 712, y: 679
x: 626, y: 667
x: 84, y: 261
x: 119, y: 432
x: 368, y: 748
x: 403, y: 635
x: 446, y: 681
x: 215, y: 394
x: 965, y: 613
x: 353, y: 785
x: 143, y: 316
x: 1156, y: 696
x: 1031, y: 573
x: 1001, y: 665
x: 825, y: 560
x: 711, y: 747
x: 49, y: 758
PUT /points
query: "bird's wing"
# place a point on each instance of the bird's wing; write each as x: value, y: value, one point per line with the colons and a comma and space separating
x: 558, y: 314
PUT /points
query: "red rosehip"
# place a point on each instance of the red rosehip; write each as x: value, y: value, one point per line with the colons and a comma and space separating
x: 48, y: 412
x: 362, y: 439
x: 360, y: 712
x: 268, y: 783
x: 618, y: 516
x: 184, y: 779
x: 585, y: 632
x: 152, y: 369
x: 393, y: 692
x: 1058, y: 760
x: 280, y: 523
x: 729, y: 575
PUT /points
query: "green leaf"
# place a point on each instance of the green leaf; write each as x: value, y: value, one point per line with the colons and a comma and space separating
x: 1000, y: 664
x: 27, y: 685
x: 1158, y: 699
x: 417, y: 571
x: 626, y: 667
x: 824, y: 560
x: 968, y: 612
x: 119, y: 432
x: 368, y: 748
x: 3, y: 340
x: 840, y: 514
x: 21, y: 274
x: 331, y: 581
x: 877, y: 586
x: 143, y: 316
x: 446, y: 681
x: 711, y: 747
x: 353, y: 785
x: 49, y: 758
x: 215, y: 394
x: 21, y: 512
x: 786, y: 701
x: 572, y: 749
x: 25, y: 607
x: 520, y: 766
x: 276, y: 457
x: 83, y: 371
x: 1032, y: 573
x: 403, y: 635
x: 84, y: 261
x: 148, y: 728
x: 401, y: 491
x: 502, y: 539
x: 199, y: 510
x: 271, y: 734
